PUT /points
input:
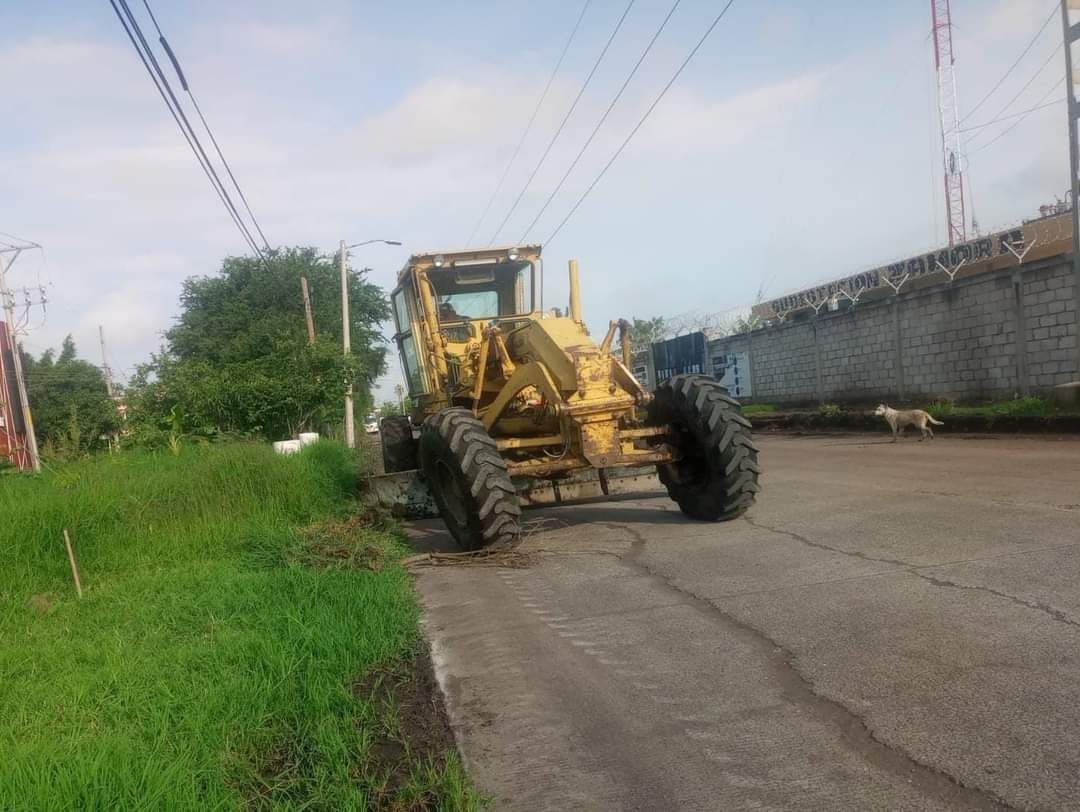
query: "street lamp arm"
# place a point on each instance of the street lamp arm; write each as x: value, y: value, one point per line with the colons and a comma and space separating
x: 369, y: 242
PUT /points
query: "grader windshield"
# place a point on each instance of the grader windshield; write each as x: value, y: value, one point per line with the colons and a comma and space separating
x: 483, y: 291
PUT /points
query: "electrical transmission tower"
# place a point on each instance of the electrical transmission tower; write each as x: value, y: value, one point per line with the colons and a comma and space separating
x: 949, y: 113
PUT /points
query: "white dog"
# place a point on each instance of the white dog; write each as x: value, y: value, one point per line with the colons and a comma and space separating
x: 900, y: 420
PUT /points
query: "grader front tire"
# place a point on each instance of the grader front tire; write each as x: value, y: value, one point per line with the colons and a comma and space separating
x: 716, y: 477
x: 468, y: 480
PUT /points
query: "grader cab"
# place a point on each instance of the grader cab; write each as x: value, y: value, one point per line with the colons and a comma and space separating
x: 502, y: 391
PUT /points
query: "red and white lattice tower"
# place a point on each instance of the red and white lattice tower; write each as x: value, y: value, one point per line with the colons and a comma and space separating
x: 949, y: 112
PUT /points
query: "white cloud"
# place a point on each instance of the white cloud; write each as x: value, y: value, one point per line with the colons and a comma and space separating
x: 688, y: 120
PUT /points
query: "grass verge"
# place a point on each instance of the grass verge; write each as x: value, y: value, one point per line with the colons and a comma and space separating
x: 232, y: 605
x: 751, y: 409
x: 1017, y: 407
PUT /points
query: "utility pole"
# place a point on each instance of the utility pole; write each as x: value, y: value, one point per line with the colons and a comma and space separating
x: 106, y: 370
x: 350, y: 429
x: 307, y: 311
x: 1071, y: 34
x: 8, y: 298
x: 105, y: 363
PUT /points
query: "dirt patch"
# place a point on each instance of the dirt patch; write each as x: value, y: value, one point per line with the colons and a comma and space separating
x: 41, y: 603
x: 410, y: 726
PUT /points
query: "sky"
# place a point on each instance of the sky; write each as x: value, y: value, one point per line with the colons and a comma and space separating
x: 800, y: 144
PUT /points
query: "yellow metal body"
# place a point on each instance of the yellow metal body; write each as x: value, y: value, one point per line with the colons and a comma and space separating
x: 553, y: 399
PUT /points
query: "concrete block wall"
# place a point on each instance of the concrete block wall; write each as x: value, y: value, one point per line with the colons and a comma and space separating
x: 1049, y: 302
x: 858, y: 353
x: 960, y: 342
x: 995, y: 335
x: 783, y: 365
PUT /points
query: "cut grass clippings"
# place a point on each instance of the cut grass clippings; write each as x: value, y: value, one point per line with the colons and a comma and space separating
x: 232, y: 604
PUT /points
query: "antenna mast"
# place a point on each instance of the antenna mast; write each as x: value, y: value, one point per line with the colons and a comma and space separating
x: 949, y: 113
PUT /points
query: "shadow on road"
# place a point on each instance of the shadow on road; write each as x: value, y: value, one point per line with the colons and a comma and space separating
x: 431, y: 536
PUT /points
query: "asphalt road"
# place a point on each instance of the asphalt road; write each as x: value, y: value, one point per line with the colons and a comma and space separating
x: 890, y: 627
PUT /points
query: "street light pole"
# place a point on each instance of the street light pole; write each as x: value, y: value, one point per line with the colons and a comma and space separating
x: 1072, y: 34
x: 350, y: 427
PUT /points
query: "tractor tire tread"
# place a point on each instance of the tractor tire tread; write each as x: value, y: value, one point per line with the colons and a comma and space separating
x: 460, y: 441
x: 727, y: 479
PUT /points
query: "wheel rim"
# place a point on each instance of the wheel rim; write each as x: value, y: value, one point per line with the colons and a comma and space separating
x: 452, y: 493
x: 693, y: 467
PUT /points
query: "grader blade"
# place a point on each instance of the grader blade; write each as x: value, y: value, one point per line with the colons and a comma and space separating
x: 406, y: 495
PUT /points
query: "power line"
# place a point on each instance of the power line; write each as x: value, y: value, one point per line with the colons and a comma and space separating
x: 637, y: 126
x: 1050, y: 16
x: 162, y: 86
x: 528, y: 127
x: 566, y: 118
x: 1015, y: 124
x: 1027, y: 84
x: 131, y: 28
x: 600, y: 123
x: 1013, y: 115
x: 184, y: 84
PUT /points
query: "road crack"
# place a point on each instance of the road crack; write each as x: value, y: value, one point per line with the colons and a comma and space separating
x: 1055, y: 614
x: 853, y: 728
x: 818, y: 545
x: 919, y: 572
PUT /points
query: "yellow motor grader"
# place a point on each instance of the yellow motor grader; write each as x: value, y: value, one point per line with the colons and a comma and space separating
x: 502, y: 390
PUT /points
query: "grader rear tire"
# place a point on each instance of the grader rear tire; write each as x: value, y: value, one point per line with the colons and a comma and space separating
x: 398, y: 445
x: 716, y: 478
x: 468, y: 480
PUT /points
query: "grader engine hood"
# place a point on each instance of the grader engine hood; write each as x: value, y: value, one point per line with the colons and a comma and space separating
x: 582, y: 370
x: 596, y: 390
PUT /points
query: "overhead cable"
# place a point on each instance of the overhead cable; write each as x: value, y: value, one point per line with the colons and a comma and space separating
x: 146, y: 56
x: 566, y: 118
x: 643, y: 119
x: 528, y: 127
x: 599, y: 123
x: 1020, y: 120
x: 195, y: 103
x: 1054, y: 10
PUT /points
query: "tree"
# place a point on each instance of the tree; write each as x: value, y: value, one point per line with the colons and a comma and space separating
x: 238, y: 359
x: 389, y: 408
x: 72, y: 412
x: 644, y: 332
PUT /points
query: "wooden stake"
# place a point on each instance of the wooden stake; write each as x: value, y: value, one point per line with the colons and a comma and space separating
x: 74, y: 566
x: 307, y: 311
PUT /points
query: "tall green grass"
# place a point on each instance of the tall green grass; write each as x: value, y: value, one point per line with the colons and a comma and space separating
x: 204, y: 668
